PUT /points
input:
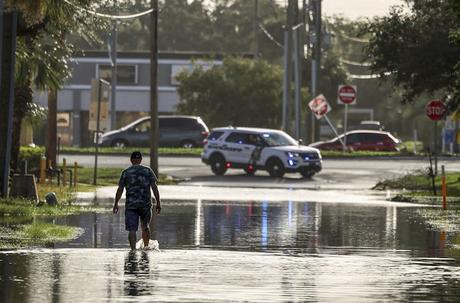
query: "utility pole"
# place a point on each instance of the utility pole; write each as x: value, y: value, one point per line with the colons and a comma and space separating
x: 256, y: 29
x: 315, y: 7
x: 114, y: 78
x: 154, y: 135
x: 297, y: 69
x: 287, y: 66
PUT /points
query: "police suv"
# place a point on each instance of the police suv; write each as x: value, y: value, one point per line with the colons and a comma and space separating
x: 254, y: 149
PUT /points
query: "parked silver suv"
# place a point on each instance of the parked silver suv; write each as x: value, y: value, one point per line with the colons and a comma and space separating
x: 174, y: 131
x: 254, y: 149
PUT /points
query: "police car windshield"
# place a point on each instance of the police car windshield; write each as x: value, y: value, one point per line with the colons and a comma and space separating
x: 278, y: 139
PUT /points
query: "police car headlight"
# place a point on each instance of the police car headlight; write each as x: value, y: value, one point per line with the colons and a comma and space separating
x: 292, y: 155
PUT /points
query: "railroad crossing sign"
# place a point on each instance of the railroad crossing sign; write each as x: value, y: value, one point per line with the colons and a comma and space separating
x: 435, y: 110
x: 346, y: 94
x: 319, y: 106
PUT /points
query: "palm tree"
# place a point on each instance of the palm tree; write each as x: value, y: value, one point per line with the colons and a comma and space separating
x: 43, y: 50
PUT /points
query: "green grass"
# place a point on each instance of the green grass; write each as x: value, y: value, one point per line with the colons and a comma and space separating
x: 36, y: 234
x: 49, y: 232
x: 407, y: 149
x: 108, y: 177
x: 336, y: 153
x: 419, y: 182
x: 416, y: 187
x: 25, y: 208
x: 15, y: 214
x: 162, y: 151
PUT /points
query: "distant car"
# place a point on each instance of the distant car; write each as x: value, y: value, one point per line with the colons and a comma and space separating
x: 371, y: 140
x: 174, y: 131
x: 371, y: 125
x: 277, y: 152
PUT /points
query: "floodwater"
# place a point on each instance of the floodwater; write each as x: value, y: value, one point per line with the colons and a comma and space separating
x: 218, y: 251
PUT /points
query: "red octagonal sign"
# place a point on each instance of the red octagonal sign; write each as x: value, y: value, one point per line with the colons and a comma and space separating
x: 435, y: 110
x: 346, y: 94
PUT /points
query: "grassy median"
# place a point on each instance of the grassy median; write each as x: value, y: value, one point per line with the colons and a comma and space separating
x: 19, y: 226
x: 162, y: 151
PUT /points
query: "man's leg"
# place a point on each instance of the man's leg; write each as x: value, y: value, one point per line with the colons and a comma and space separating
x: 132, y: 239
x: 132, y: 223
x: 145, y: 223
x: 146, y: 235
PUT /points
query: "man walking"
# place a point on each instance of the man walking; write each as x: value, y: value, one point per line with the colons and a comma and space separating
x: 138, y: 179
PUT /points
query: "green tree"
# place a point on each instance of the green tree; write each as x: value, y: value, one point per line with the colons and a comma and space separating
x: 239, y: 92
x: 43, y: 50
x: 224, y: 27
x: 417, y: 47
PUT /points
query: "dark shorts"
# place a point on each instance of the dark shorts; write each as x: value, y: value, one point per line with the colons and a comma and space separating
x: 132, y: 217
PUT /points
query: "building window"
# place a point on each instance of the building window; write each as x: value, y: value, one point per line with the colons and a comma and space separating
x: 176, y: 70
x: 126, y: 74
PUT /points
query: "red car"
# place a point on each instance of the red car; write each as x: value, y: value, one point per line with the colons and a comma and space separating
x: 362, y: 140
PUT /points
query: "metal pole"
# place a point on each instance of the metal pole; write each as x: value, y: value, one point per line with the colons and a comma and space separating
x: 297, y: 82
x: 334, y: 130
x: 314, y: 93
x: 113, y: 106
x: 345, y: 126
x: 288, y: 71
x: 98, y: 113
x: 285, y: 83
x: 154, y: 87
x: 317, y: 58
x: 435, y: 148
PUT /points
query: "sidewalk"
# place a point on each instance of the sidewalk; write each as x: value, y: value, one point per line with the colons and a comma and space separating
x: 181, y: 192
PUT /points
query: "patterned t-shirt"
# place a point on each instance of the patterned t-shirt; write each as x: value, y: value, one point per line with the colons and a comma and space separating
x: 137, y: 179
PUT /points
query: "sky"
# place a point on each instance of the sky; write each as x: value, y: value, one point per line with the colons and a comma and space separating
x: 354, y: 9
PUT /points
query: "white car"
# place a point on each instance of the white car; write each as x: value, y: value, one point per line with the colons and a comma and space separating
x: 254, y: 149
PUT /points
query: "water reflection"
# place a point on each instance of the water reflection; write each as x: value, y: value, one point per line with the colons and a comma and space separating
x: 243, y: 251
x: 298, y: 226
x: 136, y: 272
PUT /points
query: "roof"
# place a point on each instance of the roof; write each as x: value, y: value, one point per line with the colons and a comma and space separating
x: 247, y: 129
x: 367, y: 131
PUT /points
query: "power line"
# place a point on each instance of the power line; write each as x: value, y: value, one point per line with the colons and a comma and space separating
x: 269, y: 36
x: 112, y: 17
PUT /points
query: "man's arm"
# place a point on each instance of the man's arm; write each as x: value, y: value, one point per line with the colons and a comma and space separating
x: 156, y: 193
x: 117, y: 198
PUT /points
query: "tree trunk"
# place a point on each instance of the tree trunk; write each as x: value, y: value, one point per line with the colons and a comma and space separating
x: 22, y: 97
x: 51, y: 129
x: 7, y: 70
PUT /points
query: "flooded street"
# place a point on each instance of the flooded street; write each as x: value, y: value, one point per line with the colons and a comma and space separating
x: 255, y: 251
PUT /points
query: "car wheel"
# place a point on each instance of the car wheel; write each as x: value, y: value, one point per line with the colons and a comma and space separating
x: 119, y: 143
x: 218, y: 165
x: 275, y: 168
x: 187, y: 144
x: 306, y: 173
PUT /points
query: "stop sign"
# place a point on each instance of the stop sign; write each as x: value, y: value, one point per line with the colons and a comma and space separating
x: 319, y: 106
x: 435, y: 110
x: 346, y: 94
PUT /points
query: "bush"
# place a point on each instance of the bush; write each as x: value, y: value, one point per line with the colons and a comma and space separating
x: 32, y: 155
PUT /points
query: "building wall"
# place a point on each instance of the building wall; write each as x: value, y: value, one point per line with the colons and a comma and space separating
x: 74, y: 98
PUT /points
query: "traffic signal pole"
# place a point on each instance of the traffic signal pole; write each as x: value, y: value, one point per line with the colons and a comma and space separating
x: 154, y: 135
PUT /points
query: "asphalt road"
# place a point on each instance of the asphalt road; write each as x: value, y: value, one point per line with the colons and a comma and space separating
x: 336, y: 174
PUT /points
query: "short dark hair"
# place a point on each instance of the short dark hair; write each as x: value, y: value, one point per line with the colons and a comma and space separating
x: 136, y: 155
